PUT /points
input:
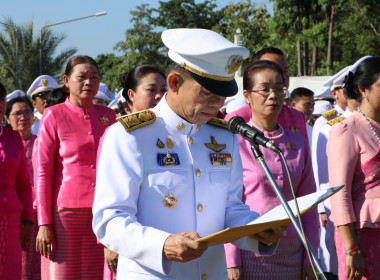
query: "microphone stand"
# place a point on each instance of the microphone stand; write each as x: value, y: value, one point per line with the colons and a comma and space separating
x: 259, y: 156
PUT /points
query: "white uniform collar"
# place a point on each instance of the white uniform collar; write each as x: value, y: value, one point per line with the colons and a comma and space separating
x: 340, y: 110
x: 347, y: 113
x: 38, y: 115
x: 172, y: 120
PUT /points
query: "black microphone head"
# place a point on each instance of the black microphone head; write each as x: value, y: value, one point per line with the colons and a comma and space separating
x: 234, y: 122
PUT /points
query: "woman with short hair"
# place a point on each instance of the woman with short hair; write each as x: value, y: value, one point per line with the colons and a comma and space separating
x: 264, y: 91
x: 19, y: 116
x: 16, y: 207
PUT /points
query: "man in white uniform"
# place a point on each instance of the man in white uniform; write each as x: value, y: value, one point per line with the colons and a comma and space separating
x: 38, y: 90
x: 172, y: 178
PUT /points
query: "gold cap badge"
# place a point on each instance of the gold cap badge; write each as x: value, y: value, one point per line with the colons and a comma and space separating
x: 234, y: 63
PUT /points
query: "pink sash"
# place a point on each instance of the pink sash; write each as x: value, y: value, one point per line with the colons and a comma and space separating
x: 369, y: 175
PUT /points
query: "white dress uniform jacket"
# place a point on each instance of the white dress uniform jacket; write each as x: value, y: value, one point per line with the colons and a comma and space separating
x: 36, y: 123
x: 130, y: 217
x: 326, y: 250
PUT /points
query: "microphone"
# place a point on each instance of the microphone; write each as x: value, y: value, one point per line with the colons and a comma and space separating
x: 237, y: 125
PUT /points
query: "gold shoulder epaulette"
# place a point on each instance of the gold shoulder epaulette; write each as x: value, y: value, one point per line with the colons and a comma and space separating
x: 35, y: 119
x: 218, y: 122
x: 336, y: 120
x: 136, y: 120
x: 329, y: 114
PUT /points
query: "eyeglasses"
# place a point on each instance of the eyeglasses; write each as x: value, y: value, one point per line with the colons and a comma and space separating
x: 18, y: 114
x: 280, y: 92
x: 157, y: 91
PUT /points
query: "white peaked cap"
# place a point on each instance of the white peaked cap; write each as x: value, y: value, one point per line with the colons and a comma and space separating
x: 14, y: 94
x: 211, y: 59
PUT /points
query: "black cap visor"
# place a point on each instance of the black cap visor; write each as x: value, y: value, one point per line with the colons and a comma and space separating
x: 41, y: 94
x: 221, y: 88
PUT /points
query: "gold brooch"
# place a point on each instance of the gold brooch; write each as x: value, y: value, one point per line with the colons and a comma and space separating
x: 104, y: 120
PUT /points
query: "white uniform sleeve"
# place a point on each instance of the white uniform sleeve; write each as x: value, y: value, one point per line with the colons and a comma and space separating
x: 238, y: 213
x: 119, y: 177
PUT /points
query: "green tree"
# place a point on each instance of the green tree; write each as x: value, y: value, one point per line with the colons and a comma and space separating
x: 357, y: 31
x: 252, y: 23
x: 109, y: 66
x: 186, y: 14
x: 29, y: 51
x: 143, y: 45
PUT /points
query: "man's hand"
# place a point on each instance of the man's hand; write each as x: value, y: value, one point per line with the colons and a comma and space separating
x: 235, y: 273
x: 270, y: 236
x: 324, y: 219
x: 111, y: 258
x: 182, y: 247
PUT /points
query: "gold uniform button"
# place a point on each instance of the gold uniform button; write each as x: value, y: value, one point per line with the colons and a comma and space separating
x: 198, y: 173
x: 204, y: 276
x: 190, y: 140
x: 181, y: 126
x: 200, y: 207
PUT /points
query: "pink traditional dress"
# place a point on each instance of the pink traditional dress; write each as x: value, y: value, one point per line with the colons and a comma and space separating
x: 354, y: 161
x: 289, y: 118
x: 287, y: 261
x: 15, y: 201
x: 67, y: 144
x: 31, y: 259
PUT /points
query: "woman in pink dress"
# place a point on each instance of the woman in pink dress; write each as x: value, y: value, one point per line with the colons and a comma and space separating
x: 19, y: 115
x: 67, y: 143
x: 264, y: 91
x: 353, y: 151
x: 16, y: 207
x: 143, y: 88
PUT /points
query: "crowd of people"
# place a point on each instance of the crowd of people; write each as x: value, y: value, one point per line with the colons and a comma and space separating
x: 95, y: 185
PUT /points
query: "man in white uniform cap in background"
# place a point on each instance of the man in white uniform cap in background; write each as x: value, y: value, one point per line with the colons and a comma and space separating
x: 103, y: 95
x: 14, y: 94
x: 166, y: 177
x: 41, y: 86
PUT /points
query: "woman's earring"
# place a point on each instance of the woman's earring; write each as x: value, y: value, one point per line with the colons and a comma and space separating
x: 366, y: 97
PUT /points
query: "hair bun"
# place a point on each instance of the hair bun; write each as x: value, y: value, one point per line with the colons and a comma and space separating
x: 348, y: 78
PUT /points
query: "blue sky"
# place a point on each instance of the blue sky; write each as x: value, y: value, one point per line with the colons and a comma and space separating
x: 91, y: 36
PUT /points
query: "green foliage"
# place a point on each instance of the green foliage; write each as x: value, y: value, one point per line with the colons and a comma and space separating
x: 109, y: 64
x: 252, y: 23
x: 142, y: 44
x: 29, y: 53
x: 355, y: 33
x: 186, y: 14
